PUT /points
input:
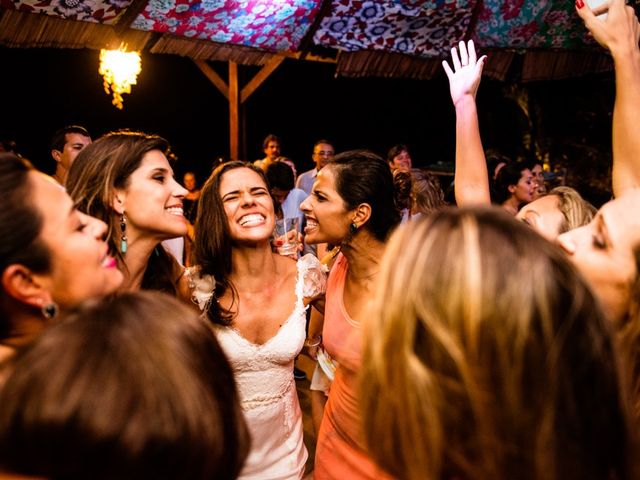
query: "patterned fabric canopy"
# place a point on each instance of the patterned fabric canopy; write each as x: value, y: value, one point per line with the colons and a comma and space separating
x: 420, y: 28
x: 99, y: 11
x: 538, y: 24
x: 267, y: 24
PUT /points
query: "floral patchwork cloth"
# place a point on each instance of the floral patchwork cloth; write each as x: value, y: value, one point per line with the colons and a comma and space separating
x: 274, y: 26
x: 530, y: 24
x: 425, y: 28
x: 97, y: 11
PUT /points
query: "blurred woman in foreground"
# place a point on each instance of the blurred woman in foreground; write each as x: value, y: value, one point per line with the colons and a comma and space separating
x: 486, y: 356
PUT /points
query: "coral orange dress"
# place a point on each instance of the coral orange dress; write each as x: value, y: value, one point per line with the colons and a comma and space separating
x: 340, y: 452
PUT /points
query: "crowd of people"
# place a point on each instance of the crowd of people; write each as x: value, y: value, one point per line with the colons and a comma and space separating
x: 497, y: 337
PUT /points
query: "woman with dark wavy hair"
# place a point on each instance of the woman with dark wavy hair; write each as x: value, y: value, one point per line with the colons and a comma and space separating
x: 256, y: 301
x: 52, y: 256
x: 354, y: 204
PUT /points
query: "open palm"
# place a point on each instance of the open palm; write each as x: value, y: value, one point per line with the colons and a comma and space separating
x: 464, y: 78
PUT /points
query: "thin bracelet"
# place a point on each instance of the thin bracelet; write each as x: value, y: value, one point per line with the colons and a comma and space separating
x: 313, y: 341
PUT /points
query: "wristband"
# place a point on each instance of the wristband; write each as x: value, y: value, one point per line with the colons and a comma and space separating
x: 313, y: 341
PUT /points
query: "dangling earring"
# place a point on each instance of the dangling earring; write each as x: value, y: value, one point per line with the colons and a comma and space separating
x: 49, y: 310
x: 353, y: 228
x: 123, y: 234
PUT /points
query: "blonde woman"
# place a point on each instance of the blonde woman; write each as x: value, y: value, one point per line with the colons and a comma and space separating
x: 607, y: 250
x: 486, y: 356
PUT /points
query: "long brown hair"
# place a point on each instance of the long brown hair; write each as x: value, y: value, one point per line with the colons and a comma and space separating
x: 131, y: 386
x: 97, y: 171
x: 213, y: 245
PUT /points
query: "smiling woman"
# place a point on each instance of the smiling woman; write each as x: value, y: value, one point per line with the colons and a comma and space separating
x: 52, y: 257
x: 257, y: 302
x: 125, y: 179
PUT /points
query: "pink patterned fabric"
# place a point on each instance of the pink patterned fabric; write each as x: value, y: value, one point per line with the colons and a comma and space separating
x: 423, y: 28
x: 417, y: 27
x: 97, y: 11
x: 274, y: 26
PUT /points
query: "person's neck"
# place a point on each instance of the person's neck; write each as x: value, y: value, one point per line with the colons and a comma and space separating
x: 193, y: 195
x: 25, y: 325
x: 363, y: 253
x: 511, y: 205
x: 253, y: 266
x: 60, y: 175
x: 136, y: 259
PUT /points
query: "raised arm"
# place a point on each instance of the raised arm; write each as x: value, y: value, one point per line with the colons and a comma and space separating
x: 620, y: 33
x: 471, y: 180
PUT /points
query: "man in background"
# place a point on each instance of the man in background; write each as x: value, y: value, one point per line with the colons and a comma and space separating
x: 323, y: 151
x: 66, y: 144
x: 399, y: 157
x: 271, y: 149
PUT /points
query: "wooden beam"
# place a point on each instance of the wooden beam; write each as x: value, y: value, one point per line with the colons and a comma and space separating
x: 213, y: 77
x: 125, y: 20
x: 260, y: 77
x: 234, y: 110
x: 309, y: 57
x: 307, y: 40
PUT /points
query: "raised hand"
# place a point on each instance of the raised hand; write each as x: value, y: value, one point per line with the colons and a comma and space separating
x: 464, y: 78
x: 619, y: 31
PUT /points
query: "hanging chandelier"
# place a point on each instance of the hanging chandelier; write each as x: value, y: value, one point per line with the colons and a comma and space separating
x: 120, y: 70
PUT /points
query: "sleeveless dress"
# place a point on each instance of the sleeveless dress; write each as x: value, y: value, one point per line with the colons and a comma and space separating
x: 264, y: 375
x: 340, y: 452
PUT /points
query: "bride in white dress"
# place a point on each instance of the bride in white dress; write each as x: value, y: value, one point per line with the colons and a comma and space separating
x: 257, y: 302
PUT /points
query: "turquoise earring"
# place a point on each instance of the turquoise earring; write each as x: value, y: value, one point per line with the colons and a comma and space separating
x: 123, y: 234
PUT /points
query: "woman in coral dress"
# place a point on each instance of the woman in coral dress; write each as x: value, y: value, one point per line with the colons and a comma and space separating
x: 352, y: 204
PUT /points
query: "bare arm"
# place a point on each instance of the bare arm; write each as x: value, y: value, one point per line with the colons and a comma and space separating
x: 314, y: 336
x: 471, y: 179
x: 620, y: 33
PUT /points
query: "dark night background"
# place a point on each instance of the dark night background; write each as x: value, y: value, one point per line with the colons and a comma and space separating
x: 44, y: 89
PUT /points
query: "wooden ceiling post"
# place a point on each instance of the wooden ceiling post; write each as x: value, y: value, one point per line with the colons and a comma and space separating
x: 236, y: 96
x: 213, y: 77
x: 260, y: 77
x: 234, y: 110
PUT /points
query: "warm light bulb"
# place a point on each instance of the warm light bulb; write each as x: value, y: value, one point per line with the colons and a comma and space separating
x: 120, y: 70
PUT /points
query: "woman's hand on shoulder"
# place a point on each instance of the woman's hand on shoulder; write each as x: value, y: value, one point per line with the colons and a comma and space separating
x: 316, y: 302
x: 185, y: 291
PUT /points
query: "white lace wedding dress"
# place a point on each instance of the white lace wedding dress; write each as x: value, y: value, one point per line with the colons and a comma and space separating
x: 264, y: 375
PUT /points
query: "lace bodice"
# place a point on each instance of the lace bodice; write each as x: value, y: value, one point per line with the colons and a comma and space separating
x: 264, y: 372
x: 264, y: 375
